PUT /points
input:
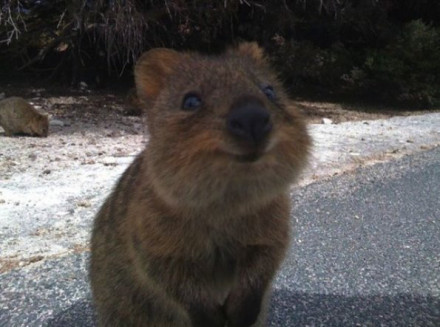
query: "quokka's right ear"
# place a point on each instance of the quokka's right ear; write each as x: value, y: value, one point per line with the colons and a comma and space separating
x: 152, y: 70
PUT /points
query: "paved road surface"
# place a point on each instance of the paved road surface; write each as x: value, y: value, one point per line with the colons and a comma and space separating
x: 366, y: 253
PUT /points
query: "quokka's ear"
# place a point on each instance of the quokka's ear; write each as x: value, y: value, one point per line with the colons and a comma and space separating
x: 152, y: 70
x: 251, y: 50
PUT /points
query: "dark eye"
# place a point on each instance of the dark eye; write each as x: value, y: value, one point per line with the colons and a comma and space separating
x: 269, y: 91
x: 191, y: 102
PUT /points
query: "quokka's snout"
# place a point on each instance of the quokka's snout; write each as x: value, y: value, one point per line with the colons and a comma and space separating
x: 249, y: 121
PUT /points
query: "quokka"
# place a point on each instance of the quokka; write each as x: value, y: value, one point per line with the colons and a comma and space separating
x: 18, y: 117
x: 198, y: 225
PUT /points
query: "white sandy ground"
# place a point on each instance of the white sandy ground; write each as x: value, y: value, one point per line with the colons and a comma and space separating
x: 51, y: 188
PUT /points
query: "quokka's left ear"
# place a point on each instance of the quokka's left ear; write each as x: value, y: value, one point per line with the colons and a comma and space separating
x: 250, y: 50
x: 152, y: 70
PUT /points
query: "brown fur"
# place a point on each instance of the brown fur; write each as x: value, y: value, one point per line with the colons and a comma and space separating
x: 193, y: 235
x: 132, y: 103
x: 17, y: 116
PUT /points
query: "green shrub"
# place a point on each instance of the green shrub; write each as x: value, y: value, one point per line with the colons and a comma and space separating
x: 407, y: 70
x: 307, y: 67
x: 321, y: 47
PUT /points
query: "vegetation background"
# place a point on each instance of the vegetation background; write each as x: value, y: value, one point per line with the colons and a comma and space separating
x: 375, y: 50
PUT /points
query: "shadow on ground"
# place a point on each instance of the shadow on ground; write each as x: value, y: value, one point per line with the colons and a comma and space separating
x: 80, y: 314
x: 302, y: 309
x: 290, y: 309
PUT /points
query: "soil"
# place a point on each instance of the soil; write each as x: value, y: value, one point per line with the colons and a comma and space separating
x: 88, y: 127
x: 110, y: 107
x: 315, y: 112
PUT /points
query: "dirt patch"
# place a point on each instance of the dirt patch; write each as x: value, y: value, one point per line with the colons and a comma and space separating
x: 109, y: 109
x: 9, y: 264
x: 81, y: 110
x: 316, y: 112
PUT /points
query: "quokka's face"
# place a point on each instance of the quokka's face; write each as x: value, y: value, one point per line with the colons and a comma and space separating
x: 43, y: 129
x: 38, y: 125
x: 222, y: 124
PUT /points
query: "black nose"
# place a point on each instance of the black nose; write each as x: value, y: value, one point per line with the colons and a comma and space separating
x: 249, y: 120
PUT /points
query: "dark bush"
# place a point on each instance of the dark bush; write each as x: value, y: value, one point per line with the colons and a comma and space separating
x: 384, y: 49
x: 307, y: 67
x: 71, y: 38
x: 407, y: 70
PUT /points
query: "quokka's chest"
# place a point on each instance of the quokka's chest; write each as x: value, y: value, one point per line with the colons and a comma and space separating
x: 222, y: 271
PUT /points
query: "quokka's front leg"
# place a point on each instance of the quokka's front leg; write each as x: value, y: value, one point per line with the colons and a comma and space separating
x: 194, y: 289
x: 246, y: 305
x: 205, y: 315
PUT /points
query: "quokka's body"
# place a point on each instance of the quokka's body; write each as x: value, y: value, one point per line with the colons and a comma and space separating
x: 198, y: 225
x: 17, y: 116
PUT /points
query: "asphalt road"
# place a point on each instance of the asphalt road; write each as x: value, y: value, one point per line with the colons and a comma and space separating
x: 366, y: 252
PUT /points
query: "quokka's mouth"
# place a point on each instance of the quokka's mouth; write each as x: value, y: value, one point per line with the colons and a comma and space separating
x: 249, y: 154
x: 248, y: 158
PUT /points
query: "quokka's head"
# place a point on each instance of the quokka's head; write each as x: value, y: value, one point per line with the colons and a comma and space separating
x: 38, y: 125
x: 220, y: 126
